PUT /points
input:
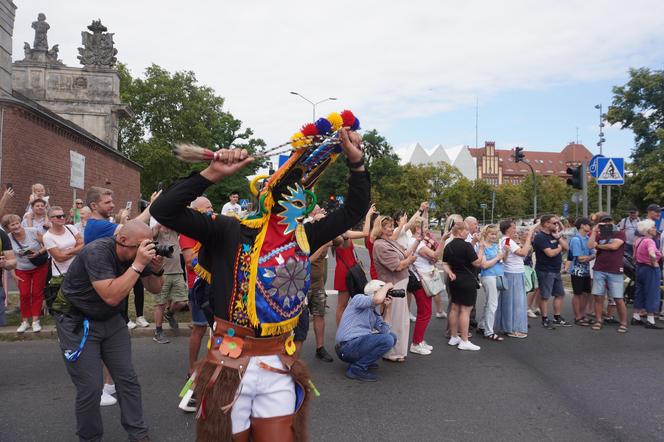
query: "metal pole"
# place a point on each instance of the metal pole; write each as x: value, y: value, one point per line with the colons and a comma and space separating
x: 493, y: 204
x: 483, y: 215
x: 608, y: 199
x: 600, y: 143
x: 534, y: 189
x: 584, y: 188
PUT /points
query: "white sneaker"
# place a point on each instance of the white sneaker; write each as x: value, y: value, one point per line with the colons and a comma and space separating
x: 109, y: 388
x: 454, y: 340
x: 23, y: 327
x: 427, y: 346
x: 131, y: 325
x: 413, y: 318
x: 36, y: 326
x: 441, y: 315
x: 467, y: 345
x: 419, y: 349
x: 107, y: 399
x: 142, y: 322
x: 531, y: 313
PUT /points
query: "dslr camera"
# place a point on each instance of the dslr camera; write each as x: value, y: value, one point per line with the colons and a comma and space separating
x: 396, y: 293
x: 163, y: 250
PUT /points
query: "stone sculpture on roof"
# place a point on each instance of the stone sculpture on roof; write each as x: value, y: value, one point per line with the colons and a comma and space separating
x: 39, y: 52
x: 97, y: 50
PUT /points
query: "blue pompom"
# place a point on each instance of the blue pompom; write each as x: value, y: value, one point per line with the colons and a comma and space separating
x: 355, y: 125
x: 324, y: 127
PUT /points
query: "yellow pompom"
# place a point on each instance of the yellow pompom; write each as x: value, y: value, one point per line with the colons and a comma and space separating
x: 298, y: 140
x: 335, y: 120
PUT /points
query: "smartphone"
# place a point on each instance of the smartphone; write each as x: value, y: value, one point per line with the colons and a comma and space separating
x: 160, y: 186
x: 10, y: 186
x: 507, y: 241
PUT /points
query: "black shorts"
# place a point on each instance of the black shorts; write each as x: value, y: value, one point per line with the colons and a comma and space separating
x: 581, y: 284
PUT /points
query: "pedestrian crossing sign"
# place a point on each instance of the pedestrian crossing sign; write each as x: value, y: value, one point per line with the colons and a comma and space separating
x: 611, y: 171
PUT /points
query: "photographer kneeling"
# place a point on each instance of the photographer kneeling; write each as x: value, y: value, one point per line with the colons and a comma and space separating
x: 363, y: 337
x: 87, y: 312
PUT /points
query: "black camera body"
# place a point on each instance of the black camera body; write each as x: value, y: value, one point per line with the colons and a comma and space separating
x: 163, y: 250
x: 396, y: 293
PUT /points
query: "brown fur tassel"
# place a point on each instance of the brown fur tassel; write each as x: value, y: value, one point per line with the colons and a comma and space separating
x: 301, y: 376
x: 214, y: 425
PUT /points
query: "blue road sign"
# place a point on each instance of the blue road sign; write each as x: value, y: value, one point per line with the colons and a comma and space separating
x: 611, y: 171
x: 592, y: 165
x: 340, y: 198
x: 565, y: 210
x: 244, y: 203
x: 432, y: 205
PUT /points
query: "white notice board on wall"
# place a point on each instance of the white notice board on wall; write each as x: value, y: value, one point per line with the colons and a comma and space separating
x: 77, y: 170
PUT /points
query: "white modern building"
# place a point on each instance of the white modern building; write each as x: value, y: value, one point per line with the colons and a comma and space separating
x: 457, y: 156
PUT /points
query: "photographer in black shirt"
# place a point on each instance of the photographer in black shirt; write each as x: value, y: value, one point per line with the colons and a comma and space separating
x: 87, y: 313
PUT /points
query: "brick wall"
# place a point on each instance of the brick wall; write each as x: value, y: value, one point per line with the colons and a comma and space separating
x: 36, y: 149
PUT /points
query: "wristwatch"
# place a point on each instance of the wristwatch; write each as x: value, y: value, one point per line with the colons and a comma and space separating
x: 159, y: 273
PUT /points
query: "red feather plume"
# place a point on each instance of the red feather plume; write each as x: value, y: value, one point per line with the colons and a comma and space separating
x: 348, y: 117
x: 309, y: 130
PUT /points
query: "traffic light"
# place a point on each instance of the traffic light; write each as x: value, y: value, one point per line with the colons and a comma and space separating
x: 518, y: 154
x: 576, y: 181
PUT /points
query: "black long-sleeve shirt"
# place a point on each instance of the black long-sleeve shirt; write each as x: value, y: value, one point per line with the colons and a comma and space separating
x: 221, y: 236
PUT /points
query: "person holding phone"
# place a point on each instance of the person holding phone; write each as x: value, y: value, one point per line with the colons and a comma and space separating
x: 549, y: 245
x: 512, y: 312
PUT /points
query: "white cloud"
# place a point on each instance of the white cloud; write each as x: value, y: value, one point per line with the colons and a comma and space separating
x: 385, y: 60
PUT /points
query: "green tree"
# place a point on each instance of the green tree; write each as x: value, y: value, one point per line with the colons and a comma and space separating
x: 510, y: 202
x: 639, y: 106
x: 170, y: 108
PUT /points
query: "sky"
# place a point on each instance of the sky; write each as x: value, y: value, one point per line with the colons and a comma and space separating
x: 417, y: 71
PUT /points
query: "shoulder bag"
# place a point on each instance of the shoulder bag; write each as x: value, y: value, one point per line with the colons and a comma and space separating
x: 36, y: 260
x: 356, y: 279
x: 414, y: 282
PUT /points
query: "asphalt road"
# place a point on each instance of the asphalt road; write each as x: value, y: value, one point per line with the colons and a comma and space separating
x: 565, y: 384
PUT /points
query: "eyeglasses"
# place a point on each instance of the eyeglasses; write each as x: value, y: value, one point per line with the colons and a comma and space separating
x: 58, y: 216
x: 79, y: 203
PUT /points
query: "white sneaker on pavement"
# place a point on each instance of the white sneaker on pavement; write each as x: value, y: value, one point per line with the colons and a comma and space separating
x: 427, y: 346
x: 467, y: 345
x: 131, y: 325
x: 36, y: 327
x: 142, y: 322
x: 413, y: 318
x: 454, y: 340
x: 441, y: 315
x: 109, y: 388
x: 531, y: 313
x: 107, y: 399
x: 419, y: 349
x: 23, y: 327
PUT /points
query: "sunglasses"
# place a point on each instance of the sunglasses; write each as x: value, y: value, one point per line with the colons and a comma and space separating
x: 58, y: 216
x: 79, y: 203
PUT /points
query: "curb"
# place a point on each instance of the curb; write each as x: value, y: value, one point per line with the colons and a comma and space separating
x: 8, y: 334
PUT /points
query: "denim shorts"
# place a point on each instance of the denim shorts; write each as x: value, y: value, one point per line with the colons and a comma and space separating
x: 197, y: 315
x: 550, y: 283
x: 611, y: 282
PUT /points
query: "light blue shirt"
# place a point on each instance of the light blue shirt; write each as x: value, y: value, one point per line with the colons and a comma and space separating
x: 360, y: 319
x: 578, y: 246
x: 497, y: 268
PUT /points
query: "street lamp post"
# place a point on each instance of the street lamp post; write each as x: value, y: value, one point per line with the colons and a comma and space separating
x: 313, y: 104
x: 600, y: 143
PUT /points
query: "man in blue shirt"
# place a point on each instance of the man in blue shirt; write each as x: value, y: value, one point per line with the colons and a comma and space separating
x: 549, y: 246
x: 580, y: 271
x: 362, y: 336
x: 100, y: 202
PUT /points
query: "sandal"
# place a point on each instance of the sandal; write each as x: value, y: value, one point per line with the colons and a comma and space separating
x: 597, y: 326
x: 495, y: 337
x: 397, y: 360
x: 583, y: 322
x: 622, y: 328
x: 517, y: 335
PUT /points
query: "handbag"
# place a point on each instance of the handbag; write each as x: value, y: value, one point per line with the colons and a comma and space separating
x: 356, y: 279
x: 36, y: 261
x: 414, y: 283
x: 432, y: 283
x: 501, y: 283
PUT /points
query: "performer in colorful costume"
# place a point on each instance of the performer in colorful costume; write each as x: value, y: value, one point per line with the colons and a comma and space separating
x: 249, y: 384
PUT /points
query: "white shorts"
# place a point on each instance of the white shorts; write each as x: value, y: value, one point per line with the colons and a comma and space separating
x: 263, y: 393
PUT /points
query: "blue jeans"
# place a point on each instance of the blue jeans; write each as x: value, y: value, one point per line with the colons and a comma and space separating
x: 197, y: 315
x: 512, y: 313
x: 365, y: 350
x: 2, y: 304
